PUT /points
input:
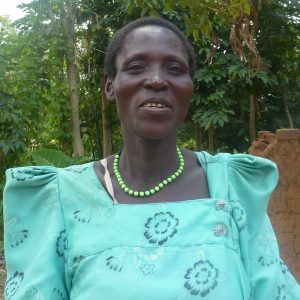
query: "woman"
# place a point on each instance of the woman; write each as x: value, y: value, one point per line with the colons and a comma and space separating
x: 154, y: 221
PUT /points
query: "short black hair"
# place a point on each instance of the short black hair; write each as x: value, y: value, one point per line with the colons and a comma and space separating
x: 116, y: 44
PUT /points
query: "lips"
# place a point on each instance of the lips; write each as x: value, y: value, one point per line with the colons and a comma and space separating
x: 155, y: 103
x: 152, y: 104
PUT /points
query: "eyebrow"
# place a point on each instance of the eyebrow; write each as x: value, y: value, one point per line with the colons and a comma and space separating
x: 145, y: 55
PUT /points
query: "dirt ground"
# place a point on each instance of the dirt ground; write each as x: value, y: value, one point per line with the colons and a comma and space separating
x: 2, y: 275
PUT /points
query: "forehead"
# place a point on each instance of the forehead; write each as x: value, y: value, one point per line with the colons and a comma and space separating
x: 152, y: 40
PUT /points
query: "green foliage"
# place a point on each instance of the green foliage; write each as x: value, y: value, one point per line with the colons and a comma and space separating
x: 196, y: 15
x: 11, y: 131
x: 55, y: 158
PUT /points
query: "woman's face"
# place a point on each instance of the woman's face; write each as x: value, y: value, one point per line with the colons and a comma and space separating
x: 152, y: 87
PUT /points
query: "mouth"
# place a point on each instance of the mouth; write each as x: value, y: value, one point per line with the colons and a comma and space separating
x: 155, y: 104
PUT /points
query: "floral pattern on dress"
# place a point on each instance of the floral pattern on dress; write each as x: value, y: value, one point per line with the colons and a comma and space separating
x: 52, y: 199
x: 267, y: 259
x: 148, y: 254
x: 201, y: 278
x: 17, y: 238
x: 161, y: 227
x: 77, y: 260
x: 16, y: 234
x: 13, y: 284
x: 239, y: 215
x: 31, y: 291
x: 20, y: 175
x: 114, y: 263
x: 58, y: 295
x: 75, y: 169
x: 281, y: 292
x: 90, y: 209
x: 62, y: 245
x: 147, y: 269
x: 110, y: 212
x: 283, y: 267
x: 82, y: 216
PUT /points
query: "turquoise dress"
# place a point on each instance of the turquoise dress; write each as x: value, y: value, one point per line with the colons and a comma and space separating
x: 66, y: 239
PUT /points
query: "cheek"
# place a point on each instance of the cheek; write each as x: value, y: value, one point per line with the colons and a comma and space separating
x: 124, y: 88
x: 189, y: 87
x: 184, y: 87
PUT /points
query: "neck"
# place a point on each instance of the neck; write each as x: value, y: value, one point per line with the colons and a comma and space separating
x: 144, y: 163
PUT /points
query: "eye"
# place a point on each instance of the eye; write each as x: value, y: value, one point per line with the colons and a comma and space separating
x: 176, y: 69
x: 135, y: 68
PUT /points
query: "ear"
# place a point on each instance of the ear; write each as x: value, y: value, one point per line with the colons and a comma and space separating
x: 109, y: 88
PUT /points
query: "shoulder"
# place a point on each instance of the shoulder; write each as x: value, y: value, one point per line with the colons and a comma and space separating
x: 235, y: 159
x: 247, y: 181
x: 244, y: 173
x: 30, y: 175
x: 240, y: 164
x: 39, y: 175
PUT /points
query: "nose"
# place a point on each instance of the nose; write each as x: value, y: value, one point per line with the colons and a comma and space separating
x: 156, y: 80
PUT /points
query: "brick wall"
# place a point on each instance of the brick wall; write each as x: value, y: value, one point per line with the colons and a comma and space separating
x: 284, y: 209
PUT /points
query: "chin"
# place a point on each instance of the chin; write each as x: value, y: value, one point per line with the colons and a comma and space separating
x: 157, y: 134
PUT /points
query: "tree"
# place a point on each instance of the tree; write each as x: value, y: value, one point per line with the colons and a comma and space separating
x: 67, y: 16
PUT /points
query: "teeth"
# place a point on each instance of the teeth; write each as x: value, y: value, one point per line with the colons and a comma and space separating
x: 159, y: 105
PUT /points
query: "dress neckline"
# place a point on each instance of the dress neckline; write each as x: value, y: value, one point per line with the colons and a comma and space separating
x: 202, y: 163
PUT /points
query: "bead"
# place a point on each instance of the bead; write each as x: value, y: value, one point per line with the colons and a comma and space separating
x: 152, y: 191
x: 176, y: 174
x: 135, y: 193
x: 126, y: 190
x: 130, y: 192
x: 157, y: 188
x: 173, y: 177
x: 142, y: 194
x: 165, y: 182
x: 147, y: 193
x: 170, y: 179
x: 161, y: 185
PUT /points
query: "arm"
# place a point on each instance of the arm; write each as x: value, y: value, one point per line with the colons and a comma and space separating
x: 34, y: 235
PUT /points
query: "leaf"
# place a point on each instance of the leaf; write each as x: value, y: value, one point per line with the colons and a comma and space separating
x: 196, y: 35
x: 154, y: 12
x: 247, y: 8
x: 144, y: 11
x: 55, y: 158
x: 5, y: 148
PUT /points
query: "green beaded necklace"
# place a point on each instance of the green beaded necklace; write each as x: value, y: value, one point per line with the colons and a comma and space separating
x: 154, y: 189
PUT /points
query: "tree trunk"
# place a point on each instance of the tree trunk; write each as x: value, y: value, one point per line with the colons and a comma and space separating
x: 287, y: 112
x: 198, y: 137
x: 106, y: 129
x: 210, y: 139
x: 252, y: 130
x: 68, y: 21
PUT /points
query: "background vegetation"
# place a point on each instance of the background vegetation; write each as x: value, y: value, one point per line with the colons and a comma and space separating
x: 51, y: 74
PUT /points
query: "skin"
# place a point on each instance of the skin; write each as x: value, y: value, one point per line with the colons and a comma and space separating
x: 152, y: 90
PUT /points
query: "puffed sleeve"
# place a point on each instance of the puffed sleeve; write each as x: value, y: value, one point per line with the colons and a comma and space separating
x: 35, y: 241
x: 251, y: 183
